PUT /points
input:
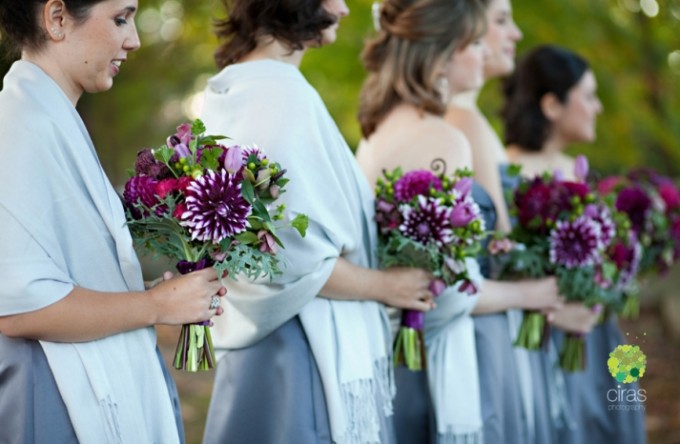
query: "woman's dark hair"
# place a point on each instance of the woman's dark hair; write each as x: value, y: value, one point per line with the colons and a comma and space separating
x: 292, y: 22
x: 19, y: 21
x: 404, y: 60
x: 544, y: 70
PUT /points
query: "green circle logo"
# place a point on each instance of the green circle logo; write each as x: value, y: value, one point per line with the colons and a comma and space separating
x: 627, y: 363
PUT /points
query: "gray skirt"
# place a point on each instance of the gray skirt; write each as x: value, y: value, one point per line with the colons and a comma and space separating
x: 597, y: 419
x: 502, y: 408
x: 414, y: 419
x: 271, y: 393
x: 32, y: 410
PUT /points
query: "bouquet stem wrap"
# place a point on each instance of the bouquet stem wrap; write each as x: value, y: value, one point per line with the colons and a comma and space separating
x: 534, y: 331
x: 631, y: 307
x: 195, y: 348
x: 409, y: 345
x: 573, y: 353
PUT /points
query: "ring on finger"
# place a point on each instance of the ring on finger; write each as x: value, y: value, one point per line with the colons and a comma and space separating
x: 214, y: 302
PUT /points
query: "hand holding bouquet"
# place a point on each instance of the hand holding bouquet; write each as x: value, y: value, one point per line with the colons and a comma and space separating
x: 429, y: 221
x: 205, y: 204
x: 562, y: 229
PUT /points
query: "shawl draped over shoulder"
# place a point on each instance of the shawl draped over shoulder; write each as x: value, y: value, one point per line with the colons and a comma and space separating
x: 62, y: 226
x: 270, y: 103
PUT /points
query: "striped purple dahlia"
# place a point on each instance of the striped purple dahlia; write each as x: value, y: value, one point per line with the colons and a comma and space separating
x: 427, y: 222
x: 215, y: 209
x: 576, y: 244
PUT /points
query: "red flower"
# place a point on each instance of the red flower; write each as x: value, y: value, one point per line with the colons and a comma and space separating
x: 670, y: 195
x: 179, y: 210
x: 165, y: 186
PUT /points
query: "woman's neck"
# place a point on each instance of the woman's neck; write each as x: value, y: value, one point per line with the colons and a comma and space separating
x: 467, y: 100
x: 271, y: 49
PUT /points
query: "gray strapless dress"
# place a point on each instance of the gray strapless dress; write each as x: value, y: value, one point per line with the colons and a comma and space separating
x: 589, y: 390
x: 31, y: 408
x: 271, y: 393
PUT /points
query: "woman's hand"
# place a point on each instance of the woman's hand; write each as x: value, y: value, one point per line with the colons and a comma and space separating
x: 540, y: 294
x: 574, y: 317
x: 407, y: 288
x: 185, y: 299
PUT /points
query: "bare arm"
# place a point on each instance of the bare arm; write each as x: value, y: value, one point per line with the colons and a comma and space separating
x: 575, y: 317
x: 534, y: 294
x: 397, y: 287
x: 85, y: 315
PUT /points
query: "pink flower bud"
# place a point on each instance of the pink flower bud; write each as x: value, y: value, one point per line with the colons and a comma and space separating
x: 463, y: 186
x: 581, y: 168
x: 437, y: 287
x: 233, y: 160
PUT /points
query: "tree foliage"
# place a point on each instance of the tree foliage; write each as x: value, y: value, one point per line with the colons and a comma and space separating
x: 630, y: 52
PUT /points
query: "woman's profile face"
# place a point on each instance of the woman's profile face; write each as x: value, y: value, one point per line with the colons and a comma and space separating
x: 501, y: 38
x: 465, y: 69
x: 339, y: 9
x: 96, y: 48
x: 576, y: 119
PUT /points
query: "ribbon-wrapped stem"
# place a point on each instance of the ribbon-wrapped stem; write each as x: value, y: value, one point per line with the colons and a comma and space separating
x: 533, y: 332
x: 195, y: 348
x: 409, y: 345
x: 573, y: 353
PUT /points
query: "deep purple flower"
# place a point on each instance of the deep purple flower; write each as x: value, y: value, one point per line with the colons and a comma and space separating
x: 140, y: 189
x: 581, y: 168
x: 415, y: 183
x: 215, y: 209
x: 636, y: 204
x: 602, y: 215
x: 627, y: 259
x: 147, y: 165
x: 427, y: 222
x: 575, y: 244
x: 670, y: 194
x: 253, y: 151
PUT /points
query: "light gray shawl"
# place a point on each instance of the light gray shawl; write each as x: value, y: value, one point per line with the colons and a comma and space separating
x: 63, y: 226
x: 452, y: 364
x: 269, y: 103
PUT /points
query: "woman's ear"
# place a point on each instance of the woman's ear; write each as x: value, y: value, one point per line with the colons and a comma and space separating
x: 551, y: 107
x: 54, y: 19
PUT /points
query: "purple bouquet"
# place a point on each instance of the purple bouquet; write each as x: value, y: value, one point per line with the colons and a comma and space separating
x: 205, y: 204
x: 652, y: 203
x: 564, y: 230
x: 428, y: 221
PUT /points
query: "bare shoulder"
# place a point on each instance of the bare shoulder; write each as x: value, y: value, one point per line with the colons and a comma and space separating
x: 439, y: 139
x: 469, y: 121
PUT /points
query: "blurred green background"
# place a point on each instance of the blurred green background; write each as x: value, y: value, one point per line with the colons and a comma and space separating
x: 633, y: 45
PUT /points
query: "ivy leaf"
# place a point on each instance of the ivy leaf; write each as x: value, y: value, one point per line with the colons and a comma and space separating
x: 300, y: 223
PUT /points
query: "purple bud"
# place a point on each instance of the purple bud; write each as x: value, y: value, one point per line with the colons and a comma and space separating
x: 558, y: 175
x: 182, y: 150
x: 581, y: 168
x: 463, y: 186
x: 384, y: 206
x: 461, y: 215
x: 437, y: 287
x: 233, y: 160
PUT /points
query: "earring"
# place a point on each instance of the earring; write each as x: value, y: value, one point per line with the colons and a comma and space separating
x: 442, y: 87
x: 57, y: 33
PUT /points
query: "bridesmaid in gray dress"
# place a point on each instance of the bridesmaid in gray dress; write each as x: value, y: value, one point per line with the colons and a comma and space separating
x: 558, y: 85
x: 78, y: 354
x: 305, y: 357
x: 513, y: 396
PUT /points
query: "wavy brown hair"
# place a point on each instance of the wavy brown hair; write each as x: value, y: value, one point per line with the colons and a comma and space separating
x: 292, y: 22
x: 405, y: 59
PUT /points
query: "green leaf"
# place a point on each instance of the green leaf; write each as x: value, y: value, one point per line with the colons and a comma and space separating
x: 300, y: 223
x: 247, y: 191
x: 247, y: 237
x: 197, y: 127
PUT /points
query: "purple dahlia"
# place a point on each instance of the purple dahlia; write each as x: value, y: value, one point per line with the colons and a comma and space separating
x: 415, y: 183
x: 427, y: 222
x: 147, y: 165
x: 636, y: 204
x: 215, y: 209
x: 602, y: 215
x: 140, y: 190
x: 575, y: 244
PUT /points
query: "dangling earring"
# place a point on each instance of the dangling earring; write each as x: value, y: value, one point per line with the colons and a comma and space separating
x: 442, y: 87
x: 375, y: 12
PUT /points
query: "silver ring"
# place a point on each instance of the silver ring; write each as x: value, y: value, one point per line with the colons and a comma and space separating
x: 214, y: 302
